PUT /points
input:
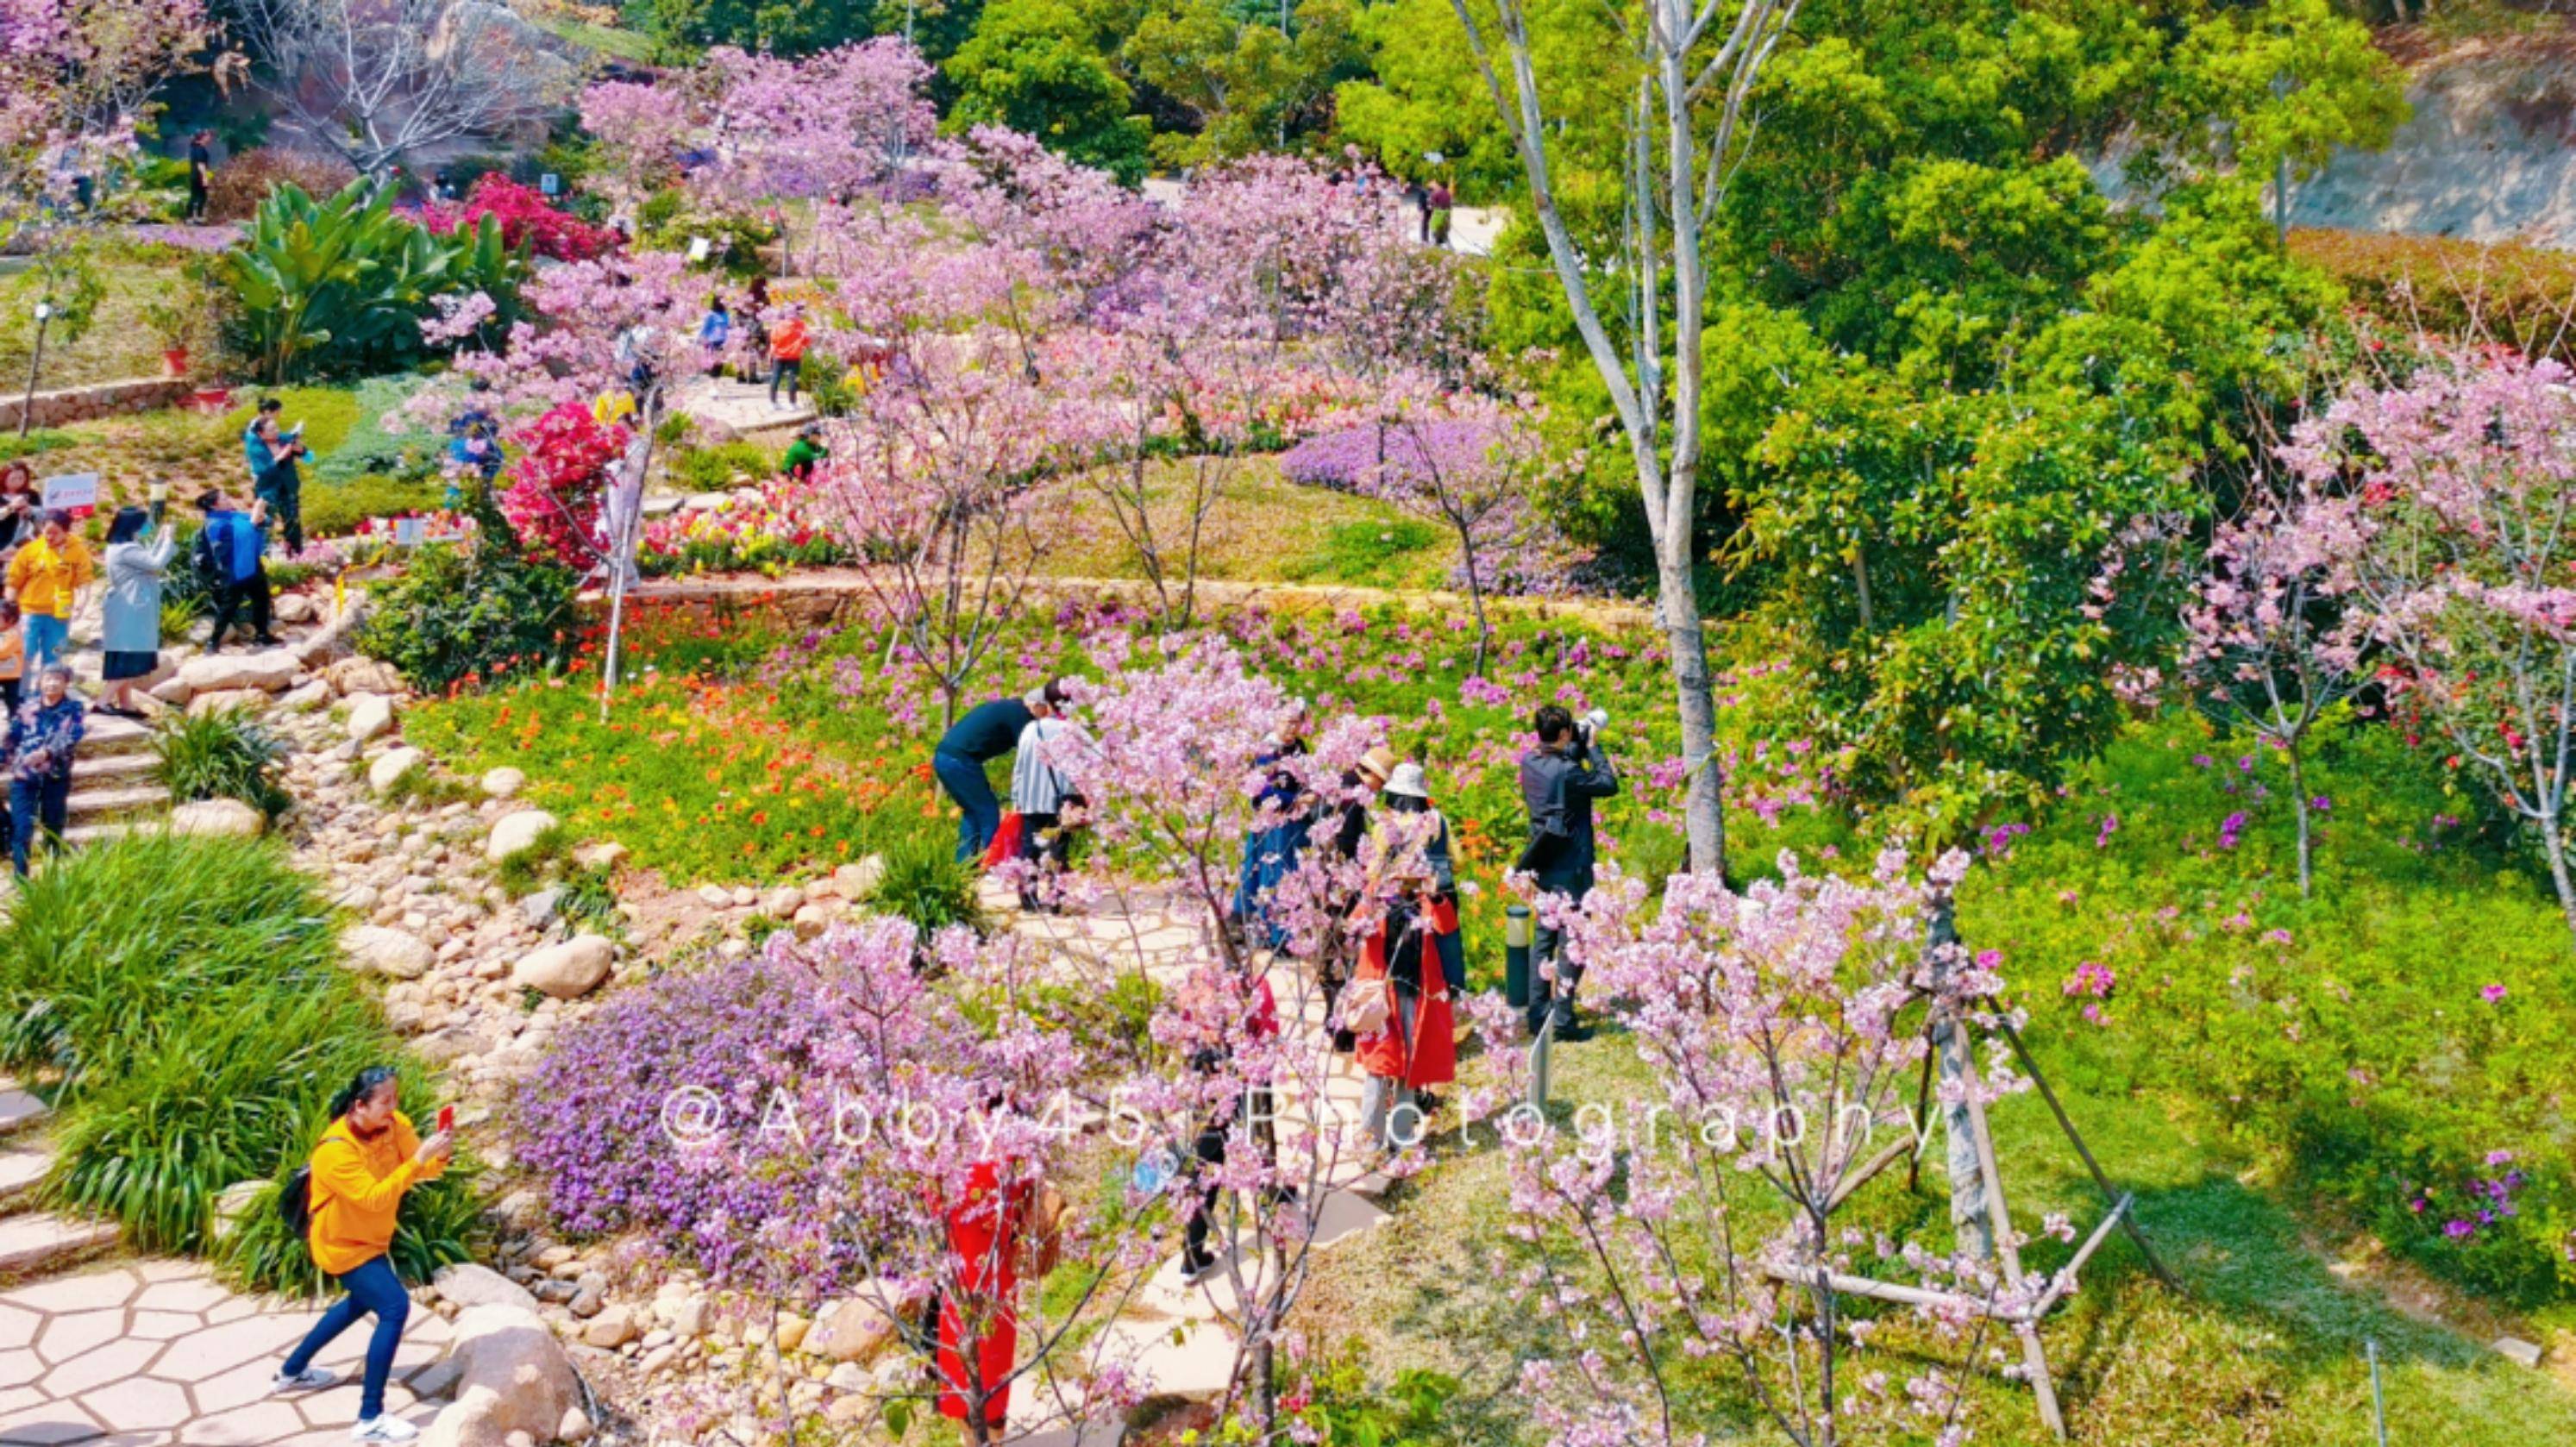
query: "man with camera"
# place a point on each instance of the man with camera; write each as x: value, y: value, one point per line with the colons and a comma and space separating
x: 1559, y: 781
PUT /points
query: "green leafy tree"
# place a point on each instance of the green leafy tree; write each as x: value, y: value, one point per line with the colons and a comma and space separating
x: 1241, y: 81
x: 2290, y: 80
x: 1034, y: 66
x: 803, y: 27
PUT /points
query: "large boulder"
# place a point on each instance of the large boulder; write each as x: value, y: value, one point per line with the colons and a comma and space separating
x: 295, y: 608
x: 218, y: 819
x: 225, y: 700
x: 850, y: 1331
x: 370, y: 714
x: 510, y: 1375
x: 391, y: 765
x: 353, y: 676
x: 469, y: 1285
x: 566, y: 971
x: 393, y: 953
x: 271, y: 670
x: 503, y: 782
x: 515, y: 832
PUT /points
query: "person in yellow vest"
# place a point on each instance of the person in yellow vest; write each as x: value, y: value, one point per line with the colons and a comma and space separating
x: 45, y: 579
x: 367, y: 1159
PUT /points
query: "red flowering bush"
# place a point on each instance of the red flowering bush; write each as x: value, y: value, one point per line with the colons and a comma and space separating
x: 560, y: 472
x: 525, y: 217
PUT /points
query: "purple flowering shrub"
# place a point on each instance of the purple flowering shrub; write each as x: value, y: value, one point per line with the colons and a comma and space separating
x: 1352, y: 459
x: 786, y: 1123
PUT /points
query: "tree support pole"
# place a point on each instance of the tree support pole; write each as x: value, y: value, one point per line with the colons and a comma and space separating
x: 2128, y: 1219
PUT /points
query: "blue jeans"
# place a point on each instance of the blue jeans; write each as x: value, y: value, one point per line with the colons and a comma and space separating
x: 47, y: 639
x: 46, y: 800
x: 373, y: 1291
x: 980, y: 815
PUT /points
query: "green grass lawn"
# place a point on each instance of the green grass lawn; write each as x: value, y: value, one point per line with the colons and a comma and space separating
x: 1262, y: 528
x: 118, y: 344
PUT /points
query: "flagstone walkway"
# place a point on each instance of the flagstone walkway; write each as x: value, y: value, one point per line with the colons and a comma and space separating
x: 157, y: 1354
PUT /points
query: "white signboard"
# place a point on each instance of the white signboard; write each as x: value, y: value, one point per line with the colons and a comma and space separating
x: 410, y: 532
x: 698, y: 248
x: 550, y: 183
x: 74, y: 492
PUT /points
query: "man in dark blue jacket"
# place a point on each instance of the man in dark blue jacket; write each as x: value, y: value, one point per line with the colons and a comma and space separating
x: 987, y: 732
x: 229, y: 549
x: 1559, y: 780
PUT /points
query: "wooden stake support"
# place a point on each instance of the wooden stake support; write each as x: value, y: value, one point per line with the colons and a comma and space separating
x: 2024, y: 1322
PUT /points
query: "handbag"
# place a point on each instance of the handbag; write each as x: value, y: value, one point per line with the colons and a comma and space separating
x: 1041, y: 1238
x: 1366, y: 1014
x: 1006, y: 841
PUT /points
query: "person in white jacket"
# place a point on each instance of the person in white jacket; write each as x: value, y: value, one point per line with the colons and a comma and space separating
x: 1039, y: 784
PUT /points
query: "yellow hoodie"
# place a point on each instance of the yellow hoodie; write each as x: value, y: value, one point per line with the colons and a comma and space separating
x: 358, y: 1185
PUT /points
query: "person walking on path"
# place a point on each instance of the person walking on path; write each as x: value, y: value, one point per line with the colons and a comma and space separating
x: 787, y: 347
x: 45, y: 579
x: 1038, y: 792
x: 201, y: 170
x: 987, y: 732
x: 1442, y: 202
x: 1413, y: 1043
x: 1283, y: 814
x: 130, y: 626
x: 369, y: 1157
x: 44, y: 735
x: 274, y: 477
x: 1559, y: 780
x: 229, y: 551
x: 714, y: 330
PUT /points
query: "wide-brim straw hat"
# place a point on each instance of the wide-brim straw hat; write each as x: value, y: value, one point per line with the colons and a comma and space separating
x: 1379, y: 761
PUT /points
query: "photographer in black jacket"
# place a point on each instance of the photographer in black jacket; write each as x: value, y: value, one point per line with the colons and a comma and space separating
x: 1559, y: 780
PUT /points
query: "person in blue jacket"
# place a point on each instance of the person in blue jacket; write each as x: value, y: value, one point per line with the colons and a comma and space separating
x: 228, y: 549
x: 987, y: 732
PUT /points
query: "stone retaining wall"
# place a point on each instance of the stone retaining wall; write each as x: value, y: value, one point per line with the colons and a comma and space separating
x: 102, y: 399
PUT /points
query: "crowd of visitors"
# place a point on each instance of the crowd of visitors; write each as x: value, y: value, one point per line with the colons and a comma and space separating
x: 1392, y: 1011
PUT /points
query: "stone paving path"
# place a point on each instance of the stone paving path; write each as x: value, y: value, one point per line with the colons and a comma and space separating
x: 742, y: 408
x: 156, y: 1354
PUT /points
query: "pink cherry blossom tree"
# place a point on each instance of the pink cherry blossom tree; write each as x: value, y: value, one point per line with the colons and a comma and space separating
x: 641, y: 128
x: 1780, y: 1027
x: 815, y: 130
x: 2445, y: 500
x: 2264, y: 644
x: 1178, y: 750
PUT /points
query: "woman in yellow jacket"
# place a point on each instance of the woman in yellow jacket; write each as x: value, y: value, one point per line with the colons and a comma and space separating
x: 367, y: 1159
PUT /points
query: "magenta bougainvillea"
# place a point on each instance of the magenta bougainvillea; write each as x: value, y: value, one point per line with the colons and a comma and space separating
x: 526, y: 220
x: 560, y: 469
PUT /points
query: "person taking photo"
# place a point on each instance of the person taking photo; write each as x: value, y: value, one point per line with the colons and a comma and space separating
x: 1559, y: 780
x: 367, y: 1160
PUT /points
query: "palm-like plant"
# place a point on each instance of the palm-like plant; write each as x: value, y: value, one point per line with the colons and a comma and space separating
x: 342, y: 283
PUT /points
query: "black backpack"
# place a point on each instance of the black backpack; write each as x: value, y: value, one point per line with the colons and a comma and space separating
x: 295, y: 1201
x: 202, y: 556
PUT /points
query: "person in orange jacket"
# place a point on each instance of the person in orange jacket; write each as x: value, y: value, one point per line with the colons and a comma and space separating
x: 368, y: 1158
x: 787, y: 354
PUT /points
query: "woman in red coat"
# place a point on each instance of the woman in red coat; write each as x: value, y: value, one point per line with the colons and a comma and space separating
x: 1417, y: 1048
x: 984, y: 1240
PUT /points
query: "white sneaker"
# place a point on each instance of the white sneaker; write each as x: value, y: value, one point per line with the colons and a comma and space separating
x: 311, y: 1379
x: 383, y: 1427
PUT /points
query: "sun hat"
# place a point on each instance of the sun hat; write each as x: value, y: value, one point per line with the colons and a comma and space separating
x: 1408, y: 781
x: 1379, y: 761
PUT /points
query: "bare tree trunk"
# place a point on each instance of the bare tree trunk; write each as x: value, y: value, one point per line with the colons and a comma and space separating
x: 1703, y: 811
x: 1951, y: 1046
x: 1475, y: 592
x: 2554, y: 846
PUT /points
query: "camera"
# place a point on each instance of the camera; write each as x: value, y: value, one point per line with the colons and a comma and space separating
x: 1593, y: 721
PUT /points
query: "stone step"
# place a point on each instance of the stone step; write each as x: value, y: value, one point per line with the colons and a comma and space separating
x: 96, y: 768
x: 19, y: 1109
x: 22, y: 1169
x: 130, y: 802
x: 82, y: 835
x: 39, y: 1243
x: 114, y: 737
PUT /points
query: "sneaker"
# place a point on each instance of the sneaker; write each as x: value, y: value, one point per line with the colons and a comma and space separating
x: 1194, y: 1272
x: 311, y: 1379
x: 383, y: 1427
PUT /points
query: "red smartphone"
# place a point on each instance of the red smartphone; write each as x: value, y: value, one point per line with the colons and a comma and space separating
x: 446, y: 1119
